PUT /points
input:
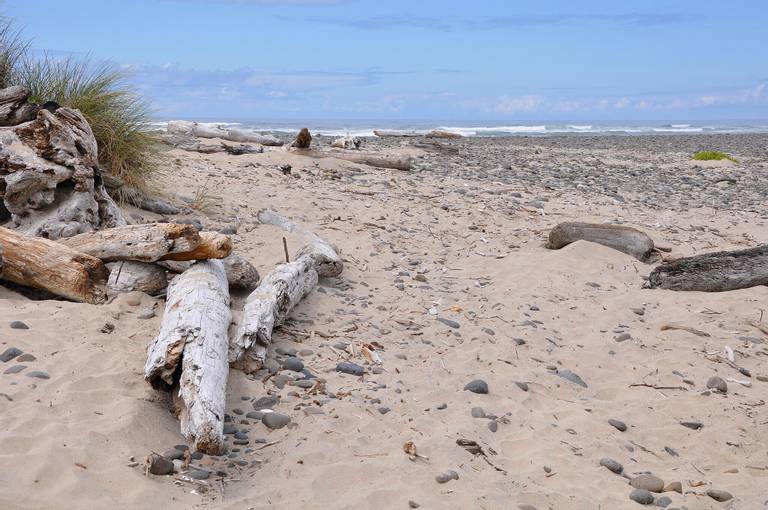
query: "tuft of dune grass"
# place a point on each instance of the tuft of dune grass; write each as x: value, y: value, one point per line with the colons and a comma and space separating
x: 713, y: 156
x: 119, y: 117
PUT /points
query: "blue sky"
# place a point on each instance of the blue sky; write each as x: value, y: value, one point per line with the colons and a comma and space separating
x: 423, y: 59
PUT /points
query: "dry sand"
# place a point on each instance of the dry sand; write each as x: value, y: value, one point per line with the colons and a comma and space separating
x: 523, y: 312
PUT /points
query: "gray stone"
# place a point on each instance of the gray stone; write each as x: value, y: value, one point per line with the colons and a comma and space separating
x: 413, y: 504
x: 9, y: 354
x: 641, y: 496
x: 275, y: 421
x: 477, y: 412
x: 493, y: 425
x: 15, y: 369
x: 241, y: 435
x: 18, y: 325
x: 26, y: 358
x: 384, y: 409
x: 350, y: 368
x: 718, y: 384
x: 618, y: 425
x: 267, y: 402
x: 38, y: 374
x: 522, y: 385
x: 229, y: 429
x: 623, y: 337
x: 146, y: 314
x: 303, y: 383
x: 477, y: 386
x: 663, y: 501
x: 612, y: 465
x: 173, y: 454
x: 695, y: 425
x: 447, y: 476
x: 442, y: 406
x: 719, y: 495
x: 572, y: 377
x: 159, y: 465
x: 293, y: 364
x: 198, y: 474
x: 647, y: 482
x: 448, y: 322
x: 255, y: 415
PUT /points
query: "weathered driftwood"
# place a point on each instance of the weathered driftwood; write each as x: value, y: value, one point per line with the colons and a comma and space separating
x: 127, y: 276
x: 347, y: 142
x: 181, y: 127
x: 44, y: 264
x: 213, y: 245
x: 266, y: 308
x: 49, y: 178
x: 376, y: 160
x: 714, y: 272
x: 303, y: 139
x: 283, y: 288
x: 146, y: 242
x: 241, y: 274
x: 437, y: 133
x: 396, y: 134
x: 142, y: 200
x: 624, y: 239
x: 14, y: 108
x: 191, y: 351
x: 326, y: 257
x: 234, y: 150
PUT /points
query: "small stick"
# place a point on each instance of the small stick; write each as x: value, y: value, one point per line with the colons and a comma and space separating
x: 285, y: 248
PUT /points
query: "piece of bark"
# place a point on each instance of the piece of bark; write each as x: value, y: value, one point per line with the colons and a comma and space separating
x: 14, y: 108
x: 49, y: 177
x: 714, y: 272
x: 241, y: 274
x: 44, y: 264
x: 191, y: 351
x: 129, y: 275
x: 303, y: 139
x: 213, y: 245
x: 326, y: 257
x: 376, y: 160
x: 624, y: 239
x: 146, y: 242
x: 266, y: 308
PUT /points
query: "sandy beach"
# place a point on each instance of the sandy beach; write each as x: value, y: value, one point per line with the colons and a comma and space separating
x: 447, y: 274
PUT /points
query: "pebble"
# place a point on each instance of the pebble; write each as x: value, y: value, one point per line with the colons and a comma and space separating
x: 15, y: 369
x: 267, y: 402
x: 477, y: 412
x: 618, y: 425
x: 641, y: 496
x: 303, y: 383
x: 275, y: 421
x: 493, y: 425
x: 9, y: 354
x: 384, y: 409
x: 647, y: 482
x: 173, y: 454
x: 18, y: 325
x: 612, y: 465
x: 718, y: 384
x: 526, y: 507
x: 673, y: 487
x: 762, y: 378
x: 159, y: 465
x: 229, y: 429
x: 442, y: 406
x: 198, y: 474
x: 623, y: 337
x: 447, y: 476
x: 477, y: 386
x: 38, y: 374
x: 346, y: 367
x: 571, y: 376
x: 146, y: 314
x: 663, y: 501
x: 241, y: 435
x: 413, y: 504
x: 448, y: 322
x: 26, y: 358
x: 695, y: 425
x: 522, y: 385
x: 719, y: 495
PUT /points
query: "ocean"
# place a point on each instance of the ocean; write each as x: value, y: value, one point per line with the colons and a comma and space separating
x: 363, y: 128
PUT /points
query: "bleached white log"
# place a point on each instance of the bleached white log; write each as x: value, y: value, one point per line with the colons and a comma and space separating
x: 347, y: 142
x: 127, y: 276
x: 267, y: 307
x: 193, y: 336
x: 327, y: 259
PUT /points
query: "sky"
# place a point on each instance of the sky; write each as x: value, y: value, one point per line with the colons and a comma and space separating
x: 500, y: 60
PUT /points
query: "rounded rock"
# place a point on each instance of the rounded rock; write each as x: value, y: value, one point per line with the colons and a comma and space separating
x: 717, y: 384
x: 275, y: 421
x: 647, y: 482
x: 618, y: 425
x: 447, y: 476
x: 293, y: 364
x: 477, y: 386
x: 719, y: 495
x: 641, y: 496
x: 612, y: 465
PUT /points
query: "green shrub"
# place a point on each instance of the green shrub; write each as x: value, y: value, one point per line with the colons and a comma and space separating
x: 713, y: 156
x: 119, y: 118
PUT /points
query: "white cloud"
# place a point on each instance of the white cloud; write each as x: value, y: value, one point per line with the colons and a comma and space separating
x: 509, y: 104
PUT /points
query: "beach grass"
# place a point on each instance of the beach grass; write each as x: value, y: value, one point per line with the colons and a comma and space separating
x: 119, y: 117
x: 713, y: 156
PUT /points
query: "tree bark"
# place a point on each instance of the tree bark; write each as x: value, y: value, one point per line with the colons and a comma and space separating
x: 213, y: 245
x: 127, y: 276
x: 191, y: 350
x: 714, y: 272
x: 147, y: 242
x: 624, y: 239
x: 44, y: 264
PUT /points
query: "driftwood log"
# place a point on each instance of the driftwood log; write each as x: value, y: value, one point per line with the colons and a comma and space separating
x: 14, y: 108
x: 444, y: 134
x: 347, y: 142
x: 142, y: 200
x: 376, y: 160
x: 283, y: 288
x: 624, y: 239
x: 49, y: 177
x: 44, y: 264
x: 233, y: 150
x: 396, y: 134
x: 190, y: 353
x: 127, y: 276
x: 213, y: 245
x: 714, y: 272
x: 233, y: 135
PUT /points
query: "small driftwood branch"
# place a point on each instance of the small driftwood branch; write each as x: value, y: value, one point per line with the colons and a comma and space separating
x: 44, y: 264
x: 624, y: 239
x: 191, y: 351
x: 713, y: 272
